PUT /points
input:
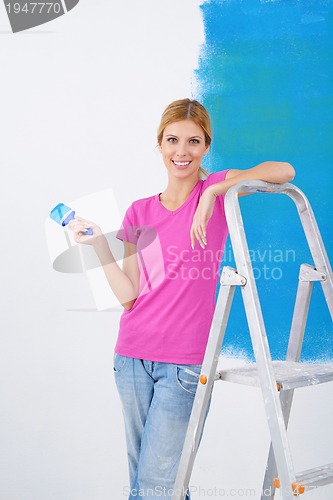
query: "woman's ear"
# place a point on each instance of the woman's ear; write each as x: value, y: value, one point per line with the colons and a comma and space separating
x: 206, y: 150
x: 159, y: 147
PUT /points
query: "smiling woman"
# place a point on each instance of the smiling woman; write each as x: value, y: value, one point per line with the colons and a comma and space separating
x: 165, y: 325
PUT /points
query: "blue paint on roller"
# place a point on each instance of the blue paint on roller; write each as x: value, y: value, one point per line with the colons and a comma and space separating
x: 59, y: 212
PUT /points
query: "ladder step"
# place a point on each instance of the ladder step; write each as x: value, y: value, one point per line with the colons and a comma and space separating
x: 318, y: 476
x: 288, y: 374
x: 312, y: 478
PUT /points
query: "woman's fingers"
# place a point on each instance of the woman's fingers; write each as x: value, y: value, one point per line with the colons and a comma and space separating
x: 79, y: 225
x: 201, y: 218
x: 192, y: 237
x: 201, y: 232
x: 86, y: 221
x: 79, y: 221
x: 201, y: 236
x: 198, y: 232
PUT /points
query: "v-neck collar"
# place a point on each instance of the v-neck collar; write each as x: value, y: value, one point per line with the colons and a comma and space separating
x: 188, y: 199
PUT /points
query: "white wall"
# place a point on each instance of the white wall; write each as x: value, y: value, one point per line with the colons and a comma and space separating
x: 80, y: 102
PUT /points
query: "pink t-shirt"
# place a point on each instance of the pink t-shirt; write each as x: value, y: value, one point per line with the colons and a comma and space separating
x: 171, y: 318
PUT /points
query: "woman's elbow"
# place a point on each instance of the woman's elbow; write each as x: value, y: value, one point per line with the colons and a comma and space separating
x: 288, y: 172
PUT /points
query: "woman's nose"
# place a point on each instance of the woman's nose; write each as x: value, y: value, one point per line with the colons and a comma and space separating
x: 181, y: 150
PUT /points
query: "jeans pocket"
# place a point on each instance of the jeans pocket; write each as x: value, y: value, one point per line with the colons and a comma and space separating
x: 188, y: 377
x: 119, y: 362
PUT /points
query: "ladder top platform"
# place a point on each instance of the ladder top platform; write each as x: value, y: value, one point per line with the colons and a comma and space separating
x: 288, y: 374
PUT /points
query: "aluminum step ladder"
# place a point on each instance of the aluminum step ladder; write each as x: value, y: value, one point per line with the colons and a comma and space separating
x: 277, y: 379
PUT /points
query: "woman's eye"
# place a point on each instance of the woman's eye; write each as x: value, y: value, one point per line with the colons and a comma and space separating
x: 172, y: 139
x: 194, y: 141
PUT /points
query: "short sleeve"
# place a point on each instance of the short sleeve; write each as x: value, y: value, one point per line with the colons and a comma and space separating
x: 128, y: 231
x: 215, y: 177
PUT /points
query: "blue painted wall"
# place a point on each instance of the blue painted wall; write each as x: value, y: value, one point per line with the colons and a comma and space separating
x: 266, y: 77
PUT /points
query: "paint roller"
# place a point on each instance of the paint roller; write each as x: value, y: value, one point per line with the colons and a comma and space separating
x: 62, y: 215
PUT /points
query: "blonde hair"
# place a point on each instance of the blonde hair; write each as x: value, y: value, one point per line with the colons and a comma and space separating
x: 186, y: 109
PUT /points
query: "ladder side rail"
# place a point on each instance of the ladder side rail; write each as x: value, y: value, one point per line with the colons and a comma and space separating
x: 309, y: 224
x: 271, y: 472
x: 203, y: 392
x: 297, y: 330
x: 314, y: 240
x: 299, y: 320
x: 255, y: 320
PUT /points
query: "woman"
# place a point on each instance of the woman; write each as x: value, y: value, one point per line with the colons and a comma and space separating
x: 173, y: 245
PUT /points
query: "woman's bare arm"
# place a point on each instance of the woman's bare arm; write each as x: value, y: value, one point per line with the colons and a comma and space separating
x: 269, y: 171
x: 123, y: 282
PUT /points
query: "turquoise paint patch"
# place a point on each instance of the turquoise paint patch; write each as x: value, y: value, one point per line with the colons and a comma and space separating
x: 266, y: 76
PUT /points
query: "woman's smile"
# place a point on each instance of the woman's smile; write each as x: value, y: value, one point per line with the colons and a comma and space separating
x: 181, y: 164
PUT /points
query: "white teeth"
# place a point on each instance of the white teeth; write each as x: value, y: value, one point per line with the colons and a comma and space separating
x: 181, y: 163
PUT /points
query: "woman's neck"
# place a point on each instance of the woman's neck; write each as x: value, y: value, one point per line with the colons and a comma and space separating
x: 178, y: 190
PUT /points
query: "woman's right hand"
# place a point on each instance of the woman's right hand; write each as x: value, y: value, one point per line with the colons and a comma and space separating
x: 79, y: 226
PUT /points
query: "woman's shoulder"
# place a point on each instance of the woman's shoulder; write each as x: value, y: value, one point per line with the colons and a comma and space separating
x: 139, y: 210
x: 214, y: 177
x: 143, y: 203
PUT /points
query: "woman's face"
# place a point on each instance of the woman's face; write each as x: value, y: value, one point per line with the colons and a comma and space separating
x: 182, y: 147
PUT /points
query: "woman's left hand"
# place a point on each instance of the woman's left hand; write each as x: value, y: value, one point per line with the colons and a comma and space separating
x: 201, y: 217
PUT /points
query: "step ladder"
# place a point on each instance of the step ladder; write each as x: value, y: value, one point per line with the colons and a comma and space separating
x: 277, y: 379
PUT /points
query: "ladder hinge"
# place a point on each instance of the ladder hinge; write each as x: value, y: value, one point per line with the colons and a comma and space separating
x: 310, y: 273
x: 230, y: 277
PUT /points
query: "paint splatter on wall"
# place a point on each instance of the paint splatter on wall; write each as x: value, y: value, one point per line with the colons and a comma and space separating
x: 266, y: 76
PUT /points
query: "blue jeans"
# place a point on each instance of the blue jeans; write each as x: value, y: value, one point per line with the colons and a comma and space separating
x: 157, y: 401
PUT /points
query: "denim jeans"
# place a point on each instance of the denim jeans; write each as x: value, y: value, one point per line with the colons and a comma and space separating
x: 157, y: 401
